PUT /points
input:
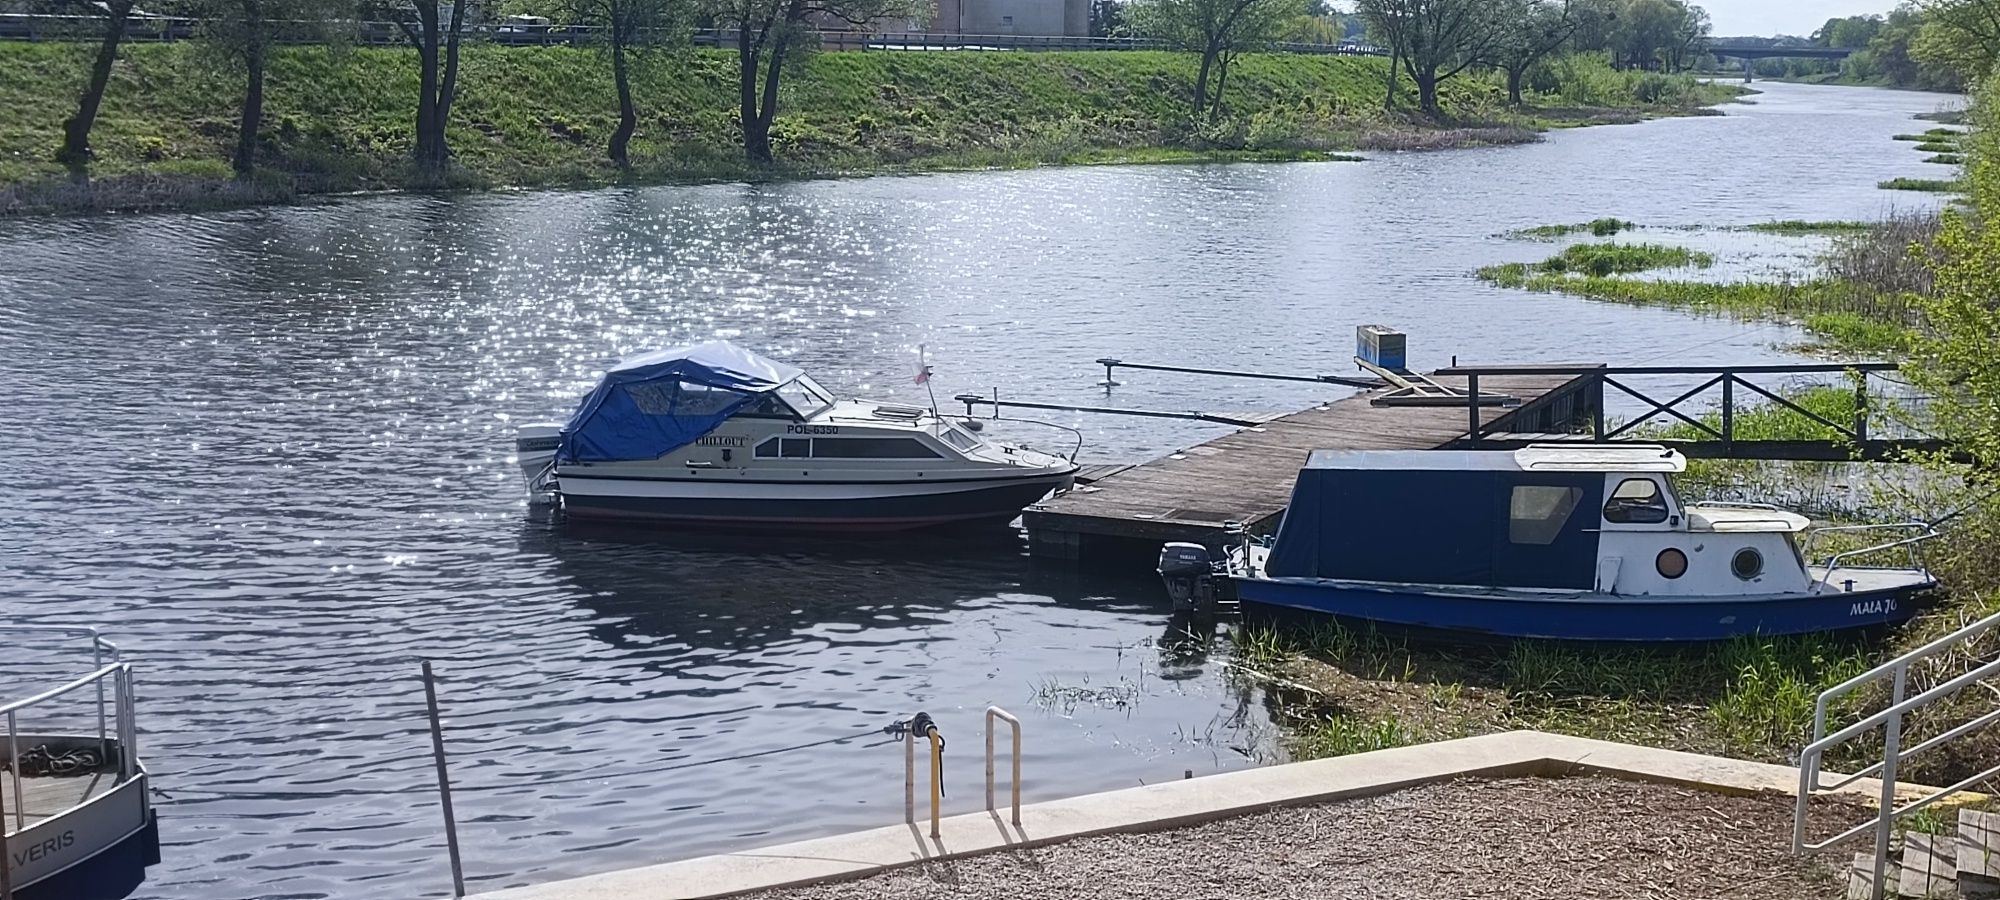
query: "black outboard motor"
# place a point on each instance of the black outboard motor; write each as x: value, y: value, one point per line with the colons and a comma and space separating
x: 1189, y: 572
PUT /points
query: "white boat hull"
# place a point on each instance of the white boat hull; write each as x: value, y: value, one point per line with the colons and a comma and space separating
x: 805, y: 504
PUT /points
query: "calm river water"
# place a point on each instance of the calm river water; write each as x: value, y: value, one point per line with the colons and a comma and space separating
x: 268, y: 450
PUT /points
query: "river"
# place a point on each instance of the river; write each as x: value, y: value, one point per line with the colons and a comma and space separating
x: 268, y: 450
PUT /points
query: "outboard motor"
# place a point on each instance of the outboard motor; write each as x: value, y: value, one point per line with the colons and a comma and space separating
x: 1189, y: 572
x: 535, y: 450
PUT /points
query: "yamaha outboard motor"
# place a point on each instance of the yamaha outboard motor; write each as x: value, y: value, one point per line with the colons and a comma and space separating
x: 1189, y: 572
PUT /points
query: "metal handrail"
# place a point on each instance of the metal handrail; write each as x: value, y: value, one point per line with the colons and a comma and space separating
x: 1890, y: 720
x: 99, y: 648
x: 1813, y: 534
x: 1833, y: 562
x: 994, y: 712
x: 119, y: 674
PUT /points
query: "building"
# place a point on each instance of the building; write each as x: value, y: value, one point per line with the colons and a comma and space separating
x: 1042, y: 18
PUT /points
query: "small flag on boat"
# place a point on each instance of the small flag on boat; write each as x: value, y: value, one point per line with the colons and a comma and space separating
x: 923, y: 367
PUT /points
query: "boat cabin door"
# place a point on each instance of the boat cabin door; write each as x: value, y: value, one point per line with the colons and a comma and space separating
x: 1551, y: 539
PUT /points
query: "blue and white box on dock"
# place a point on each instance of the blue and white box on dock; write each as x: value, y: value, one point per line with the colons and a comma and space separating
x: 1380, y: 345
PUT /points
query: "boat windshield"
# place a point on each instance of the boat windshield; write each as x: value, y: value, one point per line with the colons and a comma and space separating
x: 805, y: 396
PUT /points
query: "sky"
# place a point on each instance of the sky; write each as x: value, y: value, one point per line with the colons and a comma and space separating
x: 1743, y: 18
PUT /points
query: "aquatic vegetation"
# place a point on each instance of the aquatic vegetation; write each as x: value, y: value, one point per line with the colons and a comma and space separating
x: 1596, y: 261
x: 1932, y: 185
x: 1949, y: 159
x: 1800, y: 227
x: 1937, y: 147
x: 1596, y: 227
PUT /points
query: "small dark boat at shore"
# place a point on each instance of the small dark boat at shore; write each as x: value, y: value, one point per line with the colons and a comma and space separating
x: 1573, y: 542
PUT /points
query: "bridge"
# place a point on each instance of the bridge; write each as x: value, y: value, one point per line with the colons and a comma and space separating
x: 1749, y: 54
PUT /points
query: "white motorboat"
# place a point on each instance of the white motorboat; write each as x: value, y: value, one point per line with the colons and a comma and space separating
x: 714, y: 435
x: 75, y: 819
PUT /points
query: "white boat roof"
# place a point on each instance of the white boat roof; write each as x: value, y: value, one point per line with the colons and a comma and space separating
x: 1533, y: 458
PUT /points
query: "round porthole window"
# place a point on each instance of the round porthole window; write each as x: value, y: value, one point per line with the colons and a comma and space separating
x: 1747, y: 564
x: 1672, y: 563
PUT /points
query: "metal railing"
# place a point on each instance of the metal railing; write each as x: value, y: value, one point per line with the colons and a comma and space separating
x: 1842, y: 441
x: 1913, y: 558
x: 992, y: 713
x: 1890, y: 721
x: 120, y: 676
x: 101, y: 650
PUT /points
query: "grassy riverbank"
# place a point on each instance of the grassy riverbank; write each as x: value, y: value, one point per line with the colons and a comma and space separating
x: 339, y: 119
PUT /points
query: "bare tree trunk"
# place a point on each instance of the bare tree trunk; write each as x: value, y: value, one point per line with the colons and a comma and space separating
x: 75, y: 151
x: 746, y: 76
x: 761, y: 151
x: 252, y: 118
x: 1208, y: 55
x: 1395, y: 60
x: 1427, y: 92
x: 1515, y: 74
x: 438, y: 88
x: 1221, y: 86
x: 628, y: 118
x: 427, y: 84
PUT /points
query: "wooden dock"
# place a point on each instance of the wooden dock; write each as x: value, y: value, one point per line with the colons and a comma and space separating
x: 1246, y: 477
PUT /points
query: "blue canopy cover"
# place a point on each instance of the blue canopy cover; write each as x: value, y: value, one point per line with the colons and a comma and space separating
x: 657, y: 402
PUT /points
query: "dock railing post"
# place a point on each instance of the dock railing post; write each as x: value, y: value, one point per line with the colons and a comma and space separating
x: 1728, y: 413
x: 1597, y: 415
x: 444, y: 782
x: 1860, y: 407
x: 1472, y: 407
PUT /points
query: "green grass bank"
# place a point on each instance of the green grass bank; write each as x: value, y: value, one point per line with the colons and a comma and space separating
x: 340, y: 119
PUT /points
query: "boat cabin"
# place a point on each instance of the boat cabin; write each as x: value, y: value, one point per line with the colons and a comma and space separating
x: 1583, y: 518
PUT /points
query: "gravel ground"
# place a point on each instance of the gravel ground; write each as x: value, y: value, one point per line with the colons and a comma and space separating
x: 1509, y: 838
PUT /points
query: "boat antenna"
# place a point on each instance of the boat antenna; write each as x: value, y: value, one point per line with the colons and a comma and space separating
x: 924, y: 378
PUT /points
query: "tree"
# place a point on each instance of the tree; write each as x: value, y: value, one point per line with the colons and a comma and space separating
x: 116, y: 15
x: 242, y: 32
x: 772, y: 33
x: 1647, y: 30
x: 1850, y: 33
x: 1529, y: 31
x: 436, y: 37
x: 1434, y: 39
x: 1596, y: 26
x: 1219, y: 30
x: 1107, y: 18
x: 1963, y: 35
x: 626, y: 26
x: 1690, y: 37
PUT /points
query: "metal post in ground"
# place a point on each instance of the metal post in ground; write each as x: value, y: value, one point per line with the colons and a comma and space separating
x: 444, y: 782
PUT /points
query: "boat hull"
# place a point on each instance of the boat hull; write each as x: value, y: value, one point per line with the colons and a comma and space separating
x: 1583, y: 617
x: 98, y: 850
x: 805, y: 506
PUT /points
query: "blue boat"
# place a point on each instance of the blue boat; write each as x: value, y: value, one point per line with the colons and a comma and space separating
x: 1570, y: 542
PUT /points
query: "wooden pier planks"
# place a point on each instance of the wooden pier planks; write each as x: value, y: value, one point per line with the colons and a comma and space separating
x: 43, y: 797
x: 1246, y: 476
